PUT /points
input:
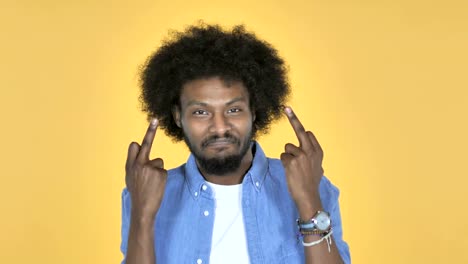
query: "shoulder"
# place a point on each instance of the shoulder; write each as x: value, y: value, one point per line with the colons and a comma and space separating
x: 275, y: 168
x: 175, y: 179
x: 275, y: 163
x: 176, y: 174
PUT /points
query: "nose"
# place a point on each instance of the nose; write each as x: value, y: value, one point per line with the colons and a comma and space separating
x: 219, y: 124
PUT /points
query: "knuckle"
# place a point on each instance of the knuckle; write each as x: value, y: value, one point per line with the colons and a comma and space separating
x: 146, y: 170
x: 301, y: 154
x: 135, y: 168
x: 293, y: 162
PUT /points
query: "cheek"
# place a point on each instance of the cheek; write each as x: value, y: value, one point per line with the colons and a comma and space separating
x: 244, y: 126
x: 193, y: 129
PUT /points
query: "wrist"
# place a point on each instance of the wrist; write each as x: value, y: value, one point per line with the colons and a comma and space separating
x: 142, y: 218
x: 309, y: 206
x: 320, y: 224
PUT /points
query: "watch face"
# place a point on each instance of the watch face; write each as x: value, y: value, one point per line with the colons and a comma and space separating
x: 323, y: 221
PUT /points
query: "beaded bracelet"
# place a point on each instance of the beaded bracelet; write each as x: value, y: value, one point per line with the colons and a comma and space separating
x: 313, y: 232
x: 326, y: 238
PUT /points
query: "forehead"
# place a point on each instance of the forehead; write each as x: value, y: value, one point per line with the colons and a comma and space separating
x: 213, y: 90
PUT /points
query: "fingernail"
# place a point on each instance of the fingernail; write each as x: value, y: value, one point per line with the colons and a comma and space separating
x: 288, y: 110
x: 154, y: 122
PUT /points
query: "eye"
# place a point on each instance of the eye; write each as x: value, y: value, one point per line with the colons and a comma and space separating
x: 234, y: 110
x: 199, y: 112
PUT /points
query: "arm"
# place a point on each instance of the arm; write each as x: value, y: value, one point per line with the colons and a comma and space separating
x: 145, y: 181
x: 141, y: 240
x: 303, y: 166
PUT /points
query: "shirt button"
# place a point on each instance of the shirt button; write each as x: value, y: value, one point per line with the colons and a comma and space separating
x: 204, y: 187
x: 196, y: 193
x: 206, y: 213
x: 199, y: 261
x: 257, y: 184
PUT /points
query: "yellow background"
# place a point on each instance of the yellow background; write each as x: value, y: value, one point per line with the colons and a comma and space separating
x: 383, y: 84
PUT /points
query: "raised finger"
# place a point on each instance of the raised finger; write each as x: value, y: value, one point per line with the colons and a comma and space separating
x: 298, y: 128
x: 148, y: 141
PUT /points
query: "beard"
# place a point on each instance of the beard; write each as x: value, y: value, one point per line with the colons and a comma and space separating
x: 220, y: 165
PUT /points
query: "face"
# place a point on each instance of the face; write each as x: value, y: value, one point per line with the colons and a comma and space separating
x: 217, y: 122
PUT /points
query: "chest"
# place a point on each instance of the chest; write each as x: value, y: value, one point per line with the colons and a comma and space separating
x: 187, y: 228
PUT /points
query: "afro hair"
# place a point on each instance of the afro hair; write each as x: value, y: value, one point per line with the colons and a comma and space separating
x: 204, y: 51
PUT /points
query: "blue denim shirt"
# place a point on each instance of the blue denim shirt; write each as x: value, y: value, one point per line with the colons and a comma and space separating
x: 184, y: 222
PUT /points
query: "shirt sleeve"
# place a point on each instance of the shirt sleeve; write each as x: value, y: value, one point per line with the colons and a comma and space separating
x: 125, y: 223
x: 329, y: 195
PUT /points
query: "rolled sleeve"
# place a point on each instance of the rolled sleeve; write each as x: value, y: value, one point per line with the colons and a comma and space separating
x: 329, y: 195
x: 125, y: 222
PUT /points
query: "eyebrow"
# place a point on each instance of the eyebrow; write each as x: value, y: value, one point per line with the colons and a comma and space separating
x: 235, y: 100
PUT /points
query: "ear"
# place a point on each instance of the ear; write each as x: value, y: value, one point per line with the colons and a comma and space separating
x: 176, y: 115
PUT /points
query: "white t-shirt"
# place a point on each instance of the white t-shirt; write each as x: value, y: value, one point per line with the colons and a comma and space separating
x: 229, y: 243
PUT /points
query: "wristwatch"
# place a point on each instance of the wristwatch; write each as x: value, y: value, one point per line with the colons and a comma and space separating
x: 319, y: 223
x: 322, y: 220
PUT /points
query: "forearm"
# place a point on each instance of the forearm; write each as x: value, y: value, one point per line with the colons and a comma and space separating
x: 322, y: 252
x: 141, y: 241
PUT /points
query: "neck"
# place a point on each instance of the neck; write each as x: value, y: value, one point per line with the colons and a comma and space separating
x: 234, y: 177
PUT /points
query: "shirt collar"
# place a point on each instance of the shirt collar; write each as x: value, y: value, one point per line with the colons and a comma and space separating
x: 255, y: 175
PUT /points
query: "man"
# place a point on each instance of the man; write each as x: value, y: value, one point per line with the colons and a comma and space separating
x: 217, y: 90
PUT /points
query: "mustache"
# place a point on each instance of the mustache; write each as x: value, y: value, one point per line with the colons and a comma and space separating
x: 225, y: 138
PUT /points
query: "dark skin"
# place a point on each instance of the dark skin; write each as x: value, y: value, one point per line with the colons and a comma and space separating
x: 303, y: 166
x: 145, y: 181
x: 209, y: 107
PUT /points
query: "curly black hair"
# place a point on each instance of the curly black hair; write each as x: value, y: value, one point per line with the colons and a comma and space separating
x: 204, y: 51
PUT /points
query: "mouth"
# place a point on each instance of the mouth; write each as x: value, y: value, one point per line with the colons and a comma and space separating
x: 219, y: 143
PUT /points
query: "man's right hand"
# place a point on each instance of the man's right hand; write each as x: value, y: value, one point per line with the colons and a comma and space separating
x: 145, y: 178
